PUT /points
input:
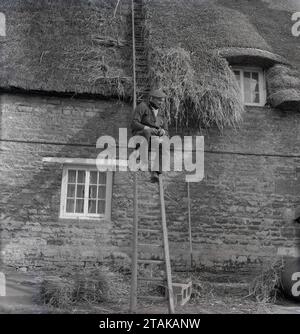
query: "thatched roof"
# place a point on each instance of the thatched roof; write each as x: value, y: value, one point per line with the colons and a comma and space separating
x: 288, y: 5
x: 66, y: 46
x: 238, y: 26
x: 243, y: 32
x: 271, y: 19
x: 79, y: 46
x: 196, y: 23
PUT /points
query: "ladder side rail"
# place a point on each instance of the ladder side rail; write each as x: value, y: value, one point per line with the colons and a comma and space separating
x: 166, y: 248
x: 134, y: 269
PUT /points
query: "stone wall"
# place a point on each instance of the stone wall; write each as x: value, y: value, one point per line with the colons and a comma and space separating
x: 242, y: 212
x: 32, y: 127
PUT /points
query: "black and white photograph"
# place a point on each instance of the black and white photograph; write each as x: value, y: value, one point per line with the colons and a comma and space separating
x: 149, y: 160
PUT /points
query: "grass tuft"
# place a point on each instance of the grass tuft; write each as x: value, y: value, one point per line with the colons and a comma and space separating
x: 266, y: 288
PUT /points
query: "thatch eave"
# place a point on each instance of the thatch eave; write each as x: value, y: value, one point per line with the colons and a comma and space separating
x: 251, y: 56
x: 105, y: 88
x: 59, y: 94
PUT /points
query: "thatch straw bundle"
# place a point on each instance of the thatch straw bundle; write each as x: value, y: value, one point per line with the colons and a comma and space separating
x: 287, y: 99
x: 284, y: 87
x: 281, y: 77
x: 210, y: 98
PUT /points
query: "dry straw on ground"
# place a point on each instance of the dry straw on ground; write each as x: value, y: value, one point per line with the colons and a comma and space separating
x: 266, y: 288
x: 90, y: 286
x: 57, y: 292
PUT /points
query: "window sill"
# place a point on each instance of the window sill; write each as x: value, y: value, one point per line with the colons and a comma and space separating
x: 255, y: 105
x: 84, y: 219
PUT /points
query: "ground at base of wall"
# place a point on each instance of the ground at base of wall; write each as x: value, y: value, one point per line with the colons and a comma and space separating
x: 218, y: 298
x: 217, y: 305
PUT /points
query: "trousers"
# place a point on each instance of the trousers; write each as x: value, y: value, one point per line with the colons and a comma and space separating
x: 158, y: 160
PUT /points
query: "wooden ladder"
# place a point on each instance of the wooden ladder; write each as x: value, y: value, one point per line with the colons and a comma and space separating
x: 138, y: 54
x: 166, y: 281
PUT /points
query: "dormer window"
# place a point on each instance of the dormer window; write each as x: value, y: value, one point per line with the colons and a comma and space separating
x: 252, y: 84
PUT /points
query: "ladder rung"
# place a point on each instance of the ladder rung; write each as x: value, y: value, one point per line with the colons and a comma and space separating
x: 151, y: 261
x: 153, y: 279
x: 153, y: 298
x: 148, y: 230
x: 150, y: 245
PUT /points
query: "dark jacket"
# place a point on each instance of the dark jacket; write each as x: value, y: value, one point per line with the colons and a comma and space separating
x: 144, y: 116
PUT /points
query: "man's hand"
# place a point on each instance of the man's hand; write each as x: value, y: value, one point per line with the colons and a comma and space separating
x: 153, y: 131
x: 161, y: 132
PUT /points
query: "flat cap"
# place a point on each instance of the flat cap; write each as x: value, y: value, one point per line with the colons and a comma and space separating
x: 158, y: 93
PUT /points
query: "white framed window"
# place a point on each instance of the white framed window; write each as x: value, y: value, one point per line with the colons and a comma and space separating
x: 85, y: 193
x: 252, y: 83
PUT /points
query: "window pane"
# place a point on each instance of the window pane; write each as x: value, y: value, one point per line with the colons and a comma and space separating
x: 70, y: 206
x: 255, y: 87
x: 101, y: 192
x: 79, y: 206
x: 247, y: 87
x: 255, y: 76
x: 80, y: 192
x: 71, y: 176
x: 93, y: 192
x: 71, y: 190
x: 81, y: 176
x: 101, y: 207
x: 102, y: 178
x: 93, y: 177
x: 238, y: 77
x: 92, y: 206
x: 251, y: 87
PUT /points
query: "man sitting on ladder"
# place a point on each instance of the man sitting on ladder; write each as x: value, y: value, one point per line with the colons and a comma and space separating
x: 150, y: 122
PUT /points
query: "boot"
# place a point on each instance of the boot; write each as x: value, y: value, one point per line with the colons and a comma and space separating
x: 154, y: 177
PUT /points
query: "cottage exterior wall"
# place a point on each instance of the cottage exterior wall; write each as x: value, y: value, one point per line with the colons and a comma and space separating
x: 242, y: 212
